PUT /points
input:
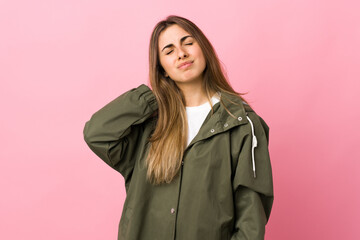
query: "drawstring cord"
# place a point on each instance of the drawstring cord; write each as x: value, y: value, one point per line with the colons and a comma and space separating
x: 253, y: 145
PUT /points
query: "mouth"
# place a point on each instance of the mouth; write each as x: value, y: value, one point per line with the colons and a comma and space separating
x: 185, y: 65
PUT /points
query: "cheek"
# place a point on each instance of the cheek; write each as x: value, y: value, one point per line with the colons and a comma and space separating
x: 198, y: 53
x: 165, y: 64
x: 201, y: 58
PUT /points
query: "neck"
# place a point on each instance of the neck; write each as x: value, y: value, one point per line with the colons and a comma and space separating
x: 194, y: 93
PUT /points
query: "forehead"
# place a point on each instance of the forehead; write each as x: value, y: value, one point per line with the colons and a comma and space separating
x: 171, y: 34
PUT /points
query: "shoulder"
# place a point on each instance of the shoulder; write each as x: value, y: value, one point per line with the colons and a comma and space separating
x: 259, y: 124
x: 250, y: 129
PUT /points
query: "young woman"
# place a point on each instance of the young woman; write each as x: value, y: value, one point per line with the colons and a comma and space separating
x: 193, y: 153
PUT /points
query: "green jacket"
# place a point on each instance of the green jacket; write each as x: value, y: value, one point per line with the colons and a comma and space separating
x: 215, y: 196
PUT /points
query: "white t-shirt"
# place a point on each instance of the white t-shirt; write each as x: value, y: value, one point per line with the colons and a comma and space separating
x: 196, y: 116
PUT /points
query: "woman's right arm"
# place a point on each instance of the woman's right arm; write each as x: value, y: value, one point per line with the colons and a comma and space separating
x: 114, y: 131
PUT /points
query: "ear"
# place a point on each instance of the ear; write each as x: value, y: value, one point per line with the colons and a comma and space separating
x: 166, y: 75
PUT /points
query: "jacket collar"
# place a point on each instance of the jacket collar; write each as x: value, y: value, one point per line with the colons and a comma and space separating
x: 221, y: 121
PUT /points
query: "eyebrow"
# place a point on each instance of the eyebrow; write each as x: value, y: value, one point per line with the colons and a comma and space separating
x: 181, y: 41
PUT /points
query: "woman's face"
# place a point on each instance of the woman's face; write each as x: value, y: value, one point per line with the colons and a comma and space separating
x: 176, y: 47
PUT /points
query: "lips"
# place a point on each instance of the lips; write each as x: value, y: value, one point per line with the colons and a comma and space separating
x: 185, y: 64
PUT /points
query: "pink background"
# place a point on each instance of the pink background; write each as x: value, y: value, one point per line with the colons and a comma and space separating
x: 60, y: 61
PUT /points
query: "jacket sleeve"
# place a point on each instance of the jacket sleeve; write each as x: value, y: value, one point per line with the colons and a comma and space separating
x: 114, y: 131
x: 253, y: 196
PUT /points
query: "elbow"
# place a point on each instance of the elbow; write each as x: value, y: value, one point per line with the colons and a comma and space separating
x: 92, y: 141
x: 87, y: 134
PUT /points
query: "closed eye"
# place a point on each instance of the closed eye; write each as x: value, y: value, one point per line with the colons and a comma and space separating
x: 172, y: 50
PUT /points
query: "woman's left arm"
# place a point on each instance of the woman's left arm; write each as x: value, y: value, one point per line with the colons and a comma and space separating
x: 250, y: 215
x: 253, y: 195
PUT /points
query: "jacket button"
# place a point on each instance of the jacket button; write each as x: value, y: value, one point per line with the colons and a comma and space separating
x: 172, y: 210
x: 212, y: 130
x: 239, y: 118
x: 225, y: 125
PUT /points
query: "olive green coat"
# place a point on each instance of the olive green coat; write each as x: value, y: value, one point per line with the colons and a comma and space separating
x: 215, y: 195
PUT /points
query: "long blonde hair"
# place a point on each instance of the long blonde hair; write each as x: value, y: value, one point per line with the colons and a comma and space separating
x: 168, y: 141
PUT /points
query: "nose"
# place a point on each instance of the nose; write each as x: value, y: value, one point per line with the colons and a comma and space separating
x: 182, y: 53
